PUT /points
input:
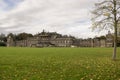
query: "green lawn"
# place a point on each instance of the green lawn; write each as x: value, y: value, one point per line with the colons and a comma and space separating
x: 58, y: 64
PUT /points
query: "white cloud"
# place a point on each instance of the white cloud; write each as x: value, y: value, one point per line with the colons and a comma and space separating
x: 70, y: 17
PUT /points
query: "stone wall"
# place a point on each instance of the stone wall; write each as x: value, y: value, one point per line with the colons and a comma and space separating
x: 47, y: 40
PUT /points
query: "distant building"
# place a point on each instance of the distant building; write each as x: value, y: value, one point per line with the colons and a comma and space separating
x: 10, y: 42
x: 103, y: 41
x: 43, y: 39
x: 109, y: 39
x: 118, y: 32
x: 53, y: 39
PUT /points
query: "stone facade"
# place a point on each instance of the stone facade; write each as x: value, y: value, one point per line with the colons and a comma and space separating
x: 43, y: 39
x: 46, y: 39
x: 10, y: 42
x: 106, y: 41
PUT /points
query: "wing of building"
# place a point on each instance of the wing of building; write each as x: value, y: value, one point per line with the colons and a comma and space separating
x: 43, y: 39
x: 53, y: 39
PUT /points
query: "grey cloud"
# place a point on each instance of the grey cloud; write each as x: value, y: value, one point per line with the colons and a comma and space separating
x: 63, y: 16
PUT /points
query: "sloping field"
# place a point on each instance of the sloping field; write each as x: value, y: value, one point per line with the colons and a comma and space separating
x: 58, y: 64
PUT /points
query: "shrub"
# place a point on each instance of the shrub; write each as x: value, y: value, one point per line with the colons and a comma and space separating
x: 2, y: 44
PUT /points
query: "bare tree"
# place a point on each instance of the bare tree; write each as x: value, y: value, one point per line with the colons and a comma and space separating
x: 106, y: 15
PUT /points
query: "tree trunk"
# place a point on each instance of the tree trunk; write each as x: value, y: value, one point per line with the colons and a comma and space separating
x: 114, y: 50
x: 115, y: 31
x: 115, y: 42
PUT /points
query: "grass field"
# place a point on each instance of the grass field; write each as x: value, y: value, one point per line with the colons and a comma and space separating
x: 58, y: 64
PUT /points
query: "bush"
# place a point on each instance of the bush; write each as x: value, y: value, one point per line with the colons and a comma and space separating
x: 2, y: 44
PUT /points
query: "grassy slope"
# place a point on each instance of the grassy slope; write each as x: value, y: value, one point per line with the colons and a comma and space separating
x: 58, y: 64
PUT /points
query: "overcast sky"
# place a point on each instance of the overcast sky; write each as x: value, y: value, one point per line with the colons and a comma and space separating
x: 71, y: 17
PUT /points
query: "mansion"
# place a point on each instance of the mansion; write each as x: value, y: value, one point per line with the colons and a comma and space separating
x: 43, y: 39
x: 53, y: 39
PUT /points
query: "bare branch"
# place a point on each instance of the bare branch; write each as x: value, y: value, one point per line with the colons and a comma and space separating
x: 107, y: 15
x: 104, y: 2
